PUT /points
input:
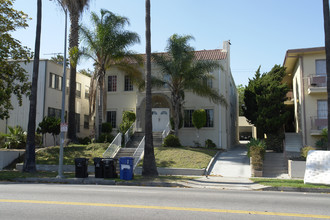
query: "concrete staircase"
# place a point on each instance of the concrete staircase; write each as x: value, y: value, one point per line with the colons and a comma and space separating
x: 157, y: 139
x: 275, y: 165
x: 292, y: 144
x: 135, y: 140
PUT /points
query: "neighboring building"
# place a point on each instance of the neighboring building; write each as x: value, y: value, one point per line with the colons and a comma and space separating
x: 49, y: 100
x: 246, y: 130
x: 307, y: 79
x: 222, y: 121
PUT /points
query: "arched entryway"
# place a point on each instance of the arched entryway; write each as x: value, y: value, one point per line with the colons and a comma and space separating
x: 161, y: 112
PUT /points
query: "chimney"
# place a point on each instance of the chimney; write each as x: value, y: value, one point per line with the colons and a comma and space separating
x: 226, y: 48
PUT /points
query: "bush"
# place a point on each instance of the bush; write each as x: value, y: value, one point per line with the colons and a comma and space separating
x: 106, y: 127
x: 105, y: 138
x: 84, y: 141
x: 304, y: 151
x: 257, y: 153
x: 255, y: 143
x: 210, y: 144
x: 275, y: 142
x: 171, y: 141
x: 16, y: 138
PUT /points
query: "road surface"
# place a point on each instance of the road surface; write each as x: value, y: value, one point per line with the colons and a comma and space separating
x: 55, y: 201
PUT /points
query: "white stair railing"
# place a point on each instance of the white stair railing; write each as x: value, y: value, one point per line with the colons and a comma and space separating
x: 139, y: 153
x: 129, y: 133
x: 114, y: 147
x: 166, y: 131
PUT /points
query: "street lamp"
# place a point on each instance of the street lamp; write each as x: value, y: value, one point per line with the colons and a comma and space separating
x: 63, y: 124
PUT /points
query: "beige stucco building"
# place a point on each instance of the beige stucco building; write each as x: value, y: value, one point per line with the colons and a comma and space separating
x: 49, y: 100
x: 222, y: 121
x: 306, y: 76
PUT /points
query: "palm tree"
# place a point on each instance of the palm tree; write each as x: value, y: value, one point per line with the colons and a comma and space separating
x: 327, y: 52
x: 29, y: 159
x: 75, y: 8
x: 181, y: 71
x: 107, y: 45
x: 149, y: 163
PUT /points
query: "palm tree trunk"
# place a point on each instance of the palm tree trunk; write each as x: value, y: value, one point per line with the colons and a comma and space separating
x: 149, y: 163
x: 327, y: 52
x: 100, y: 109
x: 30, y: 155
x: 73, y: 42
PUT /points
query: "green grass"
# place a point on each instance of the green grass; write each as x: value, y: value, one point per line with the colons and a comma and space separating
x: 10, y: 175
x: 183, y: 157
x: 50, y: 155
x: 286, y: 183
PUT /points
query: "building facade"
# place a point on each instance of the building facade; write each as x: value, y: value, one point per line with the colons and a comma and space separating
x: 222, y: 121
x: 307, y: 78
x: 49, y: 100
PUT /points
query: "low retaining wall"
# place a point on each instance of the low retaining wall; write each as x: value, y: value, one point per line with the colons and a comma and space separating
x: 174, y: 171
x: 54, y: 168
x: 296, y: 169
x: 8, y: 156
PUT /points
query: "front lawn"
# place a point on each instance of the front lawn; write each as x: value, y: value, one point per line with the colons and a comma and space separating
x: 183, y: 157
x: 286, y: 183
x: 49, y: 155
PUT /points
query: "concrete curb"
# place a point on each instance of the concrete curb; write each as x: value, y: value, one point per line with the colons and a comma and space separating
x: 211, y: 164
x: 67, y: 181
x: 293, y: 189
x: 174, y: 171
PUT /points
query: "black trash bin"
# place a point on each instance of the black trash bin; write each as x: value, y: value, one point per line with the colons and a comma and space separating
x: 98, y: 163
x: 109, y: 168
x: 81, y: 165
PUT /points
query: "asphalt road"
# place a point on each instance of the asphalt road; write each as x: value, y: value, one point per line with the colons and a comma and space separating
x: 55, y: 201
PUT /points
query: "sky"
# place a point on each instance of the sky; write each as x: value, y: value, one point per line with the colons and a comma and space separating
x: 260, y: 31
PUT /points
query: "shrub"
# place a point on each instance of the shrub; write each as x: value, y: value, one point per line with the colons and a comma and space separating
x: 199, y: 118
x: 106, y: 127
x: 257, y: 153
x: 255, y: 143
x: 84, y: 141
x: 105, y: 138
x: 210, y: 144
x: 16, y: 138
x: 304, y: 151
x: 171, y: 141
x: 275, y: 142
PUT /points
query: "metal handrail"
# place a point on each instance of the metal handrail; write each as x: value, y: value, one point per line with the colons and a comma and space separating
x: 139, y: 153
x: 114, y: 147
x: 166, y: 131
x: 129, y: 133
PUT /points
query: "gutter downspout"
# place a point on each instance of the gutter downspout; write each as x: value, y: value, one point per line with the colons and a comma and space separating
x: 303, y: 99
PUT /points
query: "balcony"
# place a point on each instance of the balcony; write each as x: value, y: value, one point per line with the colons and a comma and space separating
x: 317, y: 84
x: 317, y: 124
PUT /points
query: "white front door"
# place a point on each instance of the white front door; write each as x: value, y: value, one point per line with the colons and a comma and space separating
x: 160, y: 119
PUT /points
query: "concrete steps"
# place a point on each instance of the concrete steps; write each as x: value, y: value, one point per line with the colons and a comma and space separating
x: 275, y: 165
x: 157, y: 139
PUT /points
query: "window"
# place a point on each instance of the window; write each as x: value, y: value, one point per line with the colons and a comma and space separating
x: 77, y: 122
x: 320, y: 67
x: 67, y: 86
x: 188, y: 118
x: 112, y: 83
x: 55, y: 81
x: 86, y: 92
x: 209, y: 118
x: 111, y: 118
x: 86, y: 121
x: 167, y: 79
x: 53, y: 112
x: 78, y: 90
x: 128, y: 83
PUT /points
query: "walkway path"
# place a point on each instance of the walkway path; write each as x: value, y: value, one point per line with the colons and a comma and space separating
x: 233, y: 163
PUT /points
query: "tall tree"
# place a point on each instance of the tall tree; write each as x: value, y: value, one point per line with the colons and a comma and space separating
x: 29, y: 160
x: 75, y: 8
x: 13, y: 79
x: 149, y: 163
x: 181, y: 71
x: 264, y: 102
x: 240, y: 90
x: 327, y: 53
x: 107, y: 45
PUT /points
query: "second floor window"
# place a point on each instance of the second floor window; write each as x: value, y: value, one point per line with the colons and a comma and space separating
x: 112, y: 83
x: 55, y: 81
x: 86, y: 92
x: 78, y: 90
x: 320, y: 67
x: 128, y: 84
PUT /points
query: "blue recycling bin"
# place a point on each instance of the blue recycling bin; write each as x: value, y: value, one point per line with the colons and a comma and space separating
x: 126, y: 168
